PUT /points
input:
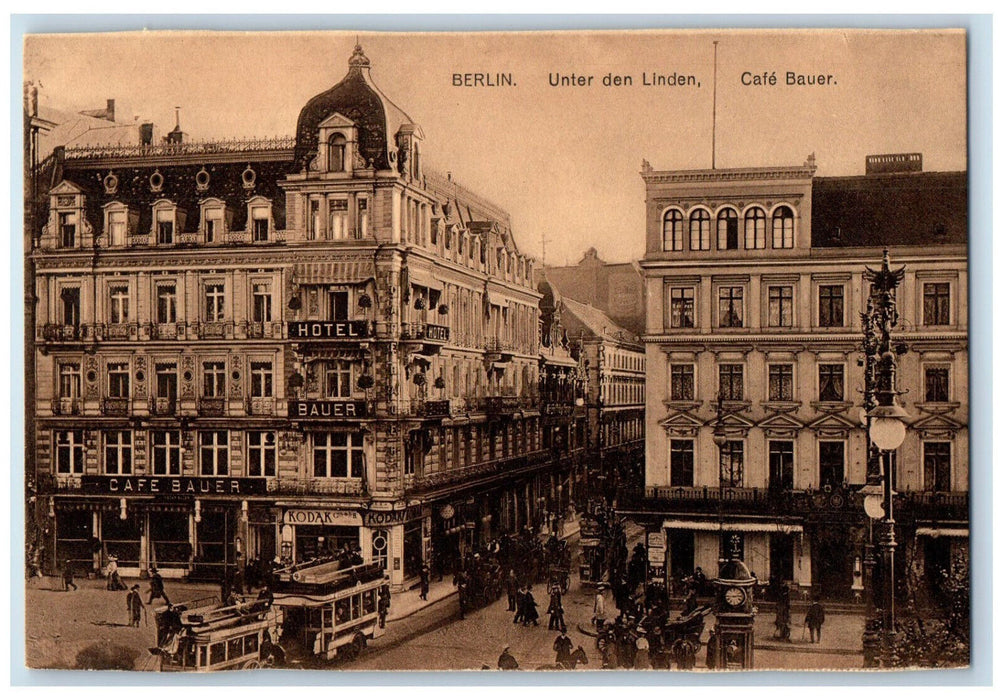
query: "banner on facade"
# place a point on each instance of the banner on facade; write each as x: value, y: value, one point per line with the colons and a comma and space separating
x: 317, y: 516
x: 173, y: 485
x: 327, y: 409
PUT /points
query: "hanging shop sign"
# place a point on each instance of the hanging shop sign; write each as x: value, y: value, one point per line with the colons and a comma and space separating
x: 387, y: 518
x: 317, y: 516
x: 447, y: 511
x: 173, y: 485
x: 327, y: 409
x: 329, y: 330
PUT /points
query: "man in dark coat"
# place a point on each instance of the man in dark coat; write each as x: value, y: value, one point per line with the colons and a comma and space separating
x: 814, y: 619
x: 520, y: 605
x: 507, y: 662
x: 529, y: 604
x: 68, y: 576
x: 423, y: 576
x: 562, y: 645
x: 512, y: 589
x: 157, y: 587
x: 556, y: 610
x: 134, y: 604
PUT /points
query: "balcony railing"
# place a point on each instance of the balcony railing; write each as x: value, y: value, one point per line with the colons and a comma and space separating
x: 437, y: 479
x: 163, y: 407
x: 931, y: 505
x: 215, y: 329
x: 59, y: 333
x: 167, y: 331
x: 267, y: 329
x: 307, y: 486
x: 260, y: 406
x: 118, y: 331
x: 115, y: 407
x: 66, y: 407
x: 499, y: 345
x: 212, y: 406
x: 505, y: 404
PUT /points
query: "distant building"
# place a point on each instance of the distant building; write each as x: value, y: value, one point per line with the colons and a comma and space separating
x: 755, y: 283
x: 616, y: 289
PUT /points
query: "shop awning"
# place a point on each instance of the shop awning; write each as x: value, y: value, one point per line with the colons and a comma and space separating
x: 337, y: 272
x: 734, y: 526
x: 942, y: 531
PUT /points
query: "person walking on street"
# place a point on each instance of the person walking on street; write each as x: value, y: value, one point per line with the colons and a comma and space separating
x: 68, y: 576
x: 530, y: 604
x: 520, y: 605
x: 507, y: 662
x: 814, y: 619
x: 783, y: 619
x: 556, y: 610
x: 134, y: 604
x: 512, y: 589
x: 562, y: 645
x: 599, y: 607
x: 424, y: 576
x: 157, y: 587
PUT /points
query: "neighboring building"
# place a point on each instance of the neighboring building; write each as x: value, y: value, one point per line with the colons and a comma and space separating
x: 755, y: 288
x: 275, y: 348
x: 616, y: 289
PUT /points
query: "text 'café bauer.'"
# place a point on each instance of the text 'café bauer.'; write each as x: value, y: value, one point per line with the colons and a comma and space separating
x: 350, y: 338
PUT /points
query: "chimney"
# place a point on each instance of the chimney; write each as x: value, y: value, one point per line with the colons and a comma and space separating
x: 176, y: 135
x: 111, y: 110
x: 146, y: 134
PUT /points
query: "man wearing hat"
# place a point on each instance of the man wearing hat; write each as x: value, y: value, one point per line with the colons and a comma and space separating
x: 599, y: 609
x: 134, y: 604
x: 157, y: 587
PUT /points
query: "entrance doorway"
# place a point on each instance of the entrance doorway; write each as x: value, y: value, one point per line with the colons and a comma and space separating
x: 831, y: 563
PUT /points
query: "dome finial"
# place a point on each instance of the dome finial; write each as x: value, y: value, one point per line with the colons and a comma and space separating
x: 358, y: 59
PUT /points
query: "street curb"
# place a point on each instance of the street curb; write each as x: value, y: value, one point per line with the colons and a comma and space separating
x: 423, y: 607
x: 810, y: 650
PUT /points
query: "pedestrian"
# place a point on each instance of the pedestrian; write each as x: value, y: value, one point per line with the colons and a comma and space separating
x: 266, y: 595
x: 642, y: 660
x: 507, y: 662
x: 530, y: 605
x: 556, y: 610
x: 157, y: 587
x: 461, y: 592
x: 814, y: 619
x: 690, y: 602
x: 114, y: 579
x: 520, y: 605
x: 712, y: 650
x: 782, y: 623
x: 424, y: 576
x: 512, y: 589
x: 68, y: 576
x: 383, y: 605
x: 134, y: 604
x: 562, y: 645
x: 599, y: 607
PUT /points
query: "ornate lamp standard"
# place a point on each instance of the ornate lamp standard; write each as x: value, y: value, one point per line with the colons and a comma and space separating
x: 886, y: 429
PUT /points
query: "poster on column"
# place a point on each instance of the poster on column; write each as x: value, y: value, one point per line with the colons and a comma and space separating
x: 707, y: 289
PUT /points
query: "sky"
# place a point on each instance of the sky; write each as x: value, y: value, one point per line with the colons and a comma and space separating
x: 564, y: 161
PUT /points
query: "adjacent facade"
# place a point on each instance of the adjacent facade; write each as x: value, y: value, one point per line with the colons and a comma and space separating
x: 271, y: 349
x: 754, y: 282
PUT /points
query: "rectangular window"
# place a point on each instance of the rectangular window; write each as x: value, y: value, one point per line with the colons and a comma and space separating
x: 214, y: 453
x: 166, y: 452
x: 831, y: 470
x: 681, y: 463
x: 313, y: 221
x: 830, y: 382
x: 118, y: 452
x: 937, y: 466
x: 213, y: 225
x: 936, y: 380
x: 261, y: 449
x: 215, y: 302
x: 68, y: 229
x: 781, y: 382
x: 261, y: 379
x: 682, y: 308
x: 338, y: 455
x: 730, y: 384
x: 364, y: 218
x: 937, y: 304
x: 213, y: 380
x: 69, y: 452
x: 165, y: 227
x: 119, y: 296
x: 830, y: 306
x: 682, y: 383
x: 167, y: 380
x: 71, y: 306
x: 69, y: 380
x: 730, y: 307
x: 781, y: 465
x: 732, y: 457
x: 259, y: 224
x: 781, y: 303
x: 338, y: 379
x: 167, y: 303
x: 118, y: 380
x: 338, y: 306
x: 261, y: 302
x: 337, y: 219
x: 116, y: 228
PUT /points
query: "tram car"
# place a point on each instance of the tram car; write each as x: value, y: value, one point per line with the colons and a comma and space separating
x: 332, y: 611
x: 592, y: 570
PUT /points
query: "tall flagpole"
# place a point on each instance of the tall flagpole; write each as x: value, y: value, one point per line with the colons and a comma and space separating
x: 713, y: 136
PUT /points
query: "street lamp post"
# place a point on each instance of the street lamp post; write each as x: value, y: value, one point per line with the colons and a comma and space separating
x: 886, y: 430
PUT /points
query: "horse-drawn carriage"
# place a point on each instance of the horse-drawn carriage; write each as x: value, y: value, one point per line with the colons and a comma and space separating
x: 557, y: 559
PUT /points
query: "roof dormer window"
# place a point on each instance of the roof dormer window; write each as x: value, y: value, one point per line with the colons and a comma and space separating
x: 336, y: 147
x: 68, y: 229
x: 118, y: 223
x: 167, y: 222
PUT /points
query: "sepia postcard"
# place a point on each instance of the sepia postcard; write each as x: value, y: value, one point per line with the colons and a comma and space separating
x: 570, y: 351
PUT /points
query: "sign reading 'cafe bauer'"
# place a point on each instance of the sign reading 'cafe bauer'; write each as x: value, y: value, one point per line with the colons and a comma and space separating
x: 173, y: 485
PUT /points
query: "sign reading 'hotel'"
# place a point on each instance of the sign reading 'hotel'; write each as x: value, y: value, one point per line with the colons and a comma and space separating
x: 327, y: 409
x: 328, y: 330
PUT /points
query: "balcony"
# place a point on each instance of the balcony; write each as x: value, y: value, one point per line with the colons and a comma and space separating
x: 268, y: 329
x: 167, y: 331
x: 163, y: 407
x: 284, y: 486
x: 214, y: 330
x: 498, y: 467
x: 430, y: 409
x: 504, y: 404
x: 260, y: 406
x: 115, y: 406
x: 66, y: 407
x: 118, y: 331
x: 932, y: 505
x: 212, y: 406
x: 59, y: 333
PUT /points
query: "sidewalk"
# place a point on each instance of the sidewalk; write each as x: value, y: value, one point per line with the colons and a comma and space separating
x: 407, y: 603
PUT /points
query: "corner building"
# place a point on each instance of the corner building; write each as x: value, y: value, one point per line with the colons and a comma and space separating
x: 258, y: 349
x: 755, y: 286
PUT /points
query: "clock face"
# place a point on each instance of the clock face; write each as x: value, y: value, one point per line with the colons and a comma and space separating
x: 734, y: 597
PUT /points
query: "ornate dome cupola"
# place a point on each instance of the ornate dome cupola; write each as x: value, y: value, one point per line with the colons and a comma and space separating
x: 375, y: 132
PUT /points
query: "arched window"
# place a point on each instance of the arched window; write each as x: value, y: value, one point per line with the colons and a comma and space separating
x: 336, y: 153
x: 755, y: 228
x: 783, y: 227
x: 727, y: 229
x: 672, y: 230
x: 699, y: 230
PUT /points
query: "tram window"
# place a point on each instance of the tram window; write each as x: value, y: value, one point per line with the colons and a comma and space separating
x: 327, y: 617
x: 188, y: 654
x: 368, y: 602
x: 314, y: 619
x: 203, y: 656
x: 342, y: 611
x: 217, y: 653
x: 356, y: 606
x: 251, y: 644
x: 235, y: 648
